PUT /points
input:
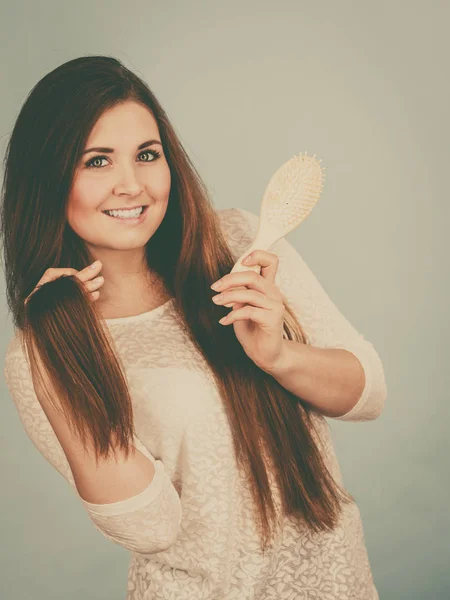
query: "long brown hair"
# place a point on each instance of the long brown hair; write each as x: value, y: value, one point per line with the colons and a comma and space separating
x: 271, y: 427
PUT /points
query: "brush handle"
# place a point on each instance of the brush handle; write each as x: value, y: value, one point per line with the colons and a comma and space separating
x: 264, y: 240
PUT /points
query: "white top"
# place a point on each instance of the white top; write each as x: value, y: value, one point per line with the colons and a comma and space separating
x: 190, y: 532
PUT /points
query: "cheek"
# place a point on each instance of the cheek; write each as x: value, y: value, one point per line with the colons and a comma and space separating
x: 89, y: 192
x: 83, y: 203
x: 158, y: 181
x: 86, y: 196
x: 167, y: 180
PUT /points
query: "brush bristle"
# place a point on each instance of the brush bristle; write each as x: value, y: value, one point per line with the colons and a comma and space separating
x: 290, y: 196
x: 292, y: 193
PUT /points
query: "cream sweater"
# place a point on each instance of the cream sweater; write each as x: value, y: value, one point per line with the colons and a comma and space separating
x: 190, y: 532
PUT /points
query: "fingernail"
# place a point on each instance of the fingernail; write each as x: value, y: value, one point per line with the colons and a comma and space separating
x: 95, y: 264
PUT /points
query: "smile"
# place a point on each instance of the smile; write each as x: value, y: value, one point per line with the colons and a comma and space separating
x: 135, y: 215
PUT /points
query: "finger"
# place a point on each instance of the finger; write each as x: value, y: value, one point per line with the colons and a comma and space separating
x: 53, y: 273
x: 246, y: 313
x: 246, y: 296
x: 253, y: 282
x: 95, y: 283
x: 91, y: 285
x: 231, y: 302
x: 89, y: 272
x: 240, y: 278
x: 268, y: 261
x: 84, y: 275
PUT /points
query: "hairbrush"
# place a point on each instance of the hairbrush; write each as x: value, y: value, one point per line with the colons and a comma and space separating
x: 293, y: 191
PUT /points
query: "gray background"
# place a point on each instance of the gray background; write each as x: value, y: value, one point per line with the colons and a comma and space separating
x: 247, y: 85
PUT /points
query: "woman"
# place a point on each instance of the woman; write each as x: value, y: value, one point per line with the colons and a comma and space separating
x: 205, y: 454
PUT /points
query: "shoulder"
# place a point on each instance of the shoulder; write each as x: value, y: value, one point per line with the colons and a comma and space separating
x: 15, y: 364
x: 14, y: 348
x: 237, y: 217
x: 239, y: 226
x: 19, y: 381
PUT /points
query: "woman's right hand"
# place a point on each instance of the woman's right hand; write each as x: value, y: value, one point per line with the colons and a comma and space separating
x: 85, y: 275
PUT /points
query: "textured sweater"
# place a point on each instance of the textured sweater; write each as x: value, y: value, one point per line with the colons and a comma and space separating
x: 190, y: 532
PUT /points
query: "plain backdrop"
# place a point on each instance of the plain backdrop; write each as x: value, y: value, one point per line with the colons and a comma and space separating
x: 247, y: 85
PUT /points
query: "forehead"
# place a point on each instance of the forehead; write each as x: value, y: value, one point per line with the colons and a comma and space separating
x: 122, y: 123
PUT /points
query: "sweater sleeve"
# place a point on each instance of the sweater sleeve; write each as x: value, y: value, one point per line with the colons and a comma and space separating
x: 145, y: 523
x: 324, y: 324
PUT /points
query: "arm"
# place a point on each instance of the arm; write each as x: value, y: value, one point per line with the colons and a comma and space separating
x: 104, y: 482
x: 329, y: 379
x: 141, y: 519
x: 326, y: 328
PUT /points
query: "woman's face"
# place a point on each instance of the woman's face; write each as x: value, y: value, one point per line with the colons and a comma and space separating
x: 120, y: 174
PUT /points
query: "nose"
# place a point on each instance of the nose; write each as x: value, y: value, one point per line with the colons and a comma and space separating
x: 128, y: 182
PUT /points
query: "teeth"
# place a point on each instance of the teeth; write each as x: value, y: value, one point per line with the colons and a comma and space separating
x: 125, y: 214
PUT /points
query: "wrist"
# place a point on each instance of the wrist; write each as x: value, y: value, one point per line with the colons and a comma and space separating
x: 280, y: 364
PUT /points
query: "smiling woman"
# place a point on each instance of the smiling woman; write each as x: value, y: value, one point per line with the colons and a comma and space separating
x: 128, y: 174
x: 220, y: 481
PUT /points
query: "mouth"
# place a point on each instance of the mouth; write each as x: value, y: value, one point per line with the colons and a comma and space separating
x: 128, y: 216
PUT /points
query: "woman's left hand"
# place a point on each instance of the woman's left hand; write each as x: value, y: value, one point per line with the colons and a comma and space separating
x: 258, y: 312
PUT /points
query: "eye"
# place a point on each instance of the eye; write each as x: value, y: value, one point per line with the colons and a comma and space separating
x: 90, y: 163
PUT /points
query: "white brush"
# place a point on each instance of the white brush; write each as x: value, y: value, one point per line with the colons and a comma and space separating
x: 290, y: 196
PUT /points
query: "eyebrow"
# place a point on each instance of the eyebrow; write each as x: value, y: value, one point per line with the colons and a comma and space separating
x: 143, y: 145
